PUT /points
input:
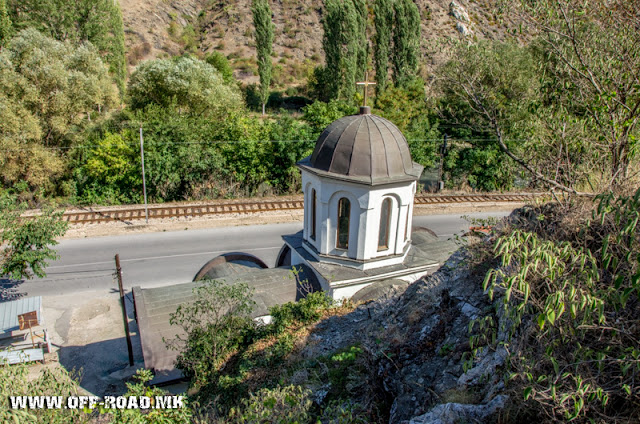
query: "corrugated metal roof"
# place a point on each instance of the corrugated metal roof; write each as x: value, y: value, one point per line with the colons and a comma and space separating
x: 21, y: 356
x: 9, y: 312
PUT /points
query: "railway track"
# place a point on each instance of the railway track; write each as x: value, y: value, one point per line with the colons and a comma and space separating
x: 155, y: 212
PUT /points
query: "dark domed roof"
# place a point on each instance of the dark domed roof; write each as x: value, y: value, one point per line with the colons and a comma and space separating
x: 363, y: 148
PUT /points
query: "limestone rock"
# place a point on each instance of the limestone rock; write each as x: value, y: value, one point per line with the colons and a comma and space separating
x: 451, y: 413
x: 462, y: 29
x: 458, y: 12
x: 486, y: 367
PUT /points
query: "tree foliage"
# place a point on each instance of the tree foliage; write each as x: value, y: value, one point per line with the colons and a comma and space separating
x: 5, y: 23
x: 408, y: 109
x: 214, y: 324
x: 320, y: 114
x: 26, y: 243
x: 47, y: 88
x: 383, y: 21
x: 345, y: 47
x: 406, y: 41
x: 592, y: 53
x: 492, y: 93
x: 221, y: 63
x: 96, y: 21
x: 192, y: 85
x: 264, y: 45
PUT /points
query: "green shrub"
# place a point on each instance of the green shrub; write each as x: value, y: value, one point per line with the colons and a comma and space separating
x: 151, y: 416
x: 221, y: 63
x: 304, y: 311
x: 214, y: 325
x: 15, y: 381
x: 281, y: 405
x: 571, y: 291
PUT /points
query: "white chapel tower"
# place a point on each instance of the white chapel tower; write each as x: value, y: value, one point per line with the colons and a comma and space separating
x: 358, y: 190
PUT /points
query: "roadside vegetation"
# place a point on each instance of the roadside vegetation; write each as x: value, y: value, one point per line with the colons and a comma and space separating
x: 557, y: 106
x: 554, y: 106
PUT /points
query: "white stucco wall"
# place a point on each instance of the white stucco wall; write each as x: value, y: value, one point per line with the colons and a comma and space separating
x: 366, y: 204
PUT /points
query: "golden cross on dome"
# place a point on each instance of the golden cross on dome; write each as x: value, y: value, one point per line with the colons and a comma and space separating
x: 366, y: 85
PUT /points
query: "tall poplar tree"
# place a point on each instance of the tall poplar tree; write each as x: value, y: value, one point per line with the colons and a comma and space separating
x: 406, y: 42
x: 264, y: 45
x: 5, y: 23
x: 345, y: 46
x: 383, y: 21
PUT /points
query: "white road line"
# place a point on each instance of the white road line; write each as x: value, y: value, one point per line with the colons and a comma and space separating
x: 165, y: 257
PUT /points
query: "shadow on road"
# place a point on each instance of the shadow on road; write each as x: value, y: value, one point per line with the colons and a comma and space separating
x: 9, y: 289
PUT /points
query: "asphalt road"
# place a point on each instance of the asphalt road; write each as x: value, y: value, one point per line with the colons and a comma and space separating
x: 151, y: 260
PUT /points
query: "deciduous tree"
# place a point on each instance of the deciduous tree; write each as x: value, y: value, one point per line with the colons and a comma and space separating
x: 592, y: 51
x: 96, y: 21
x: 194, y: 86
x: 47, y: 88
x: 26, y: 243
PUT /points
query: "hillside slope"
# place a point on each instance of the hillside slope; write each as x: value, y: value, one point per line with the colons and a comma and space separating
x: 157, y: 28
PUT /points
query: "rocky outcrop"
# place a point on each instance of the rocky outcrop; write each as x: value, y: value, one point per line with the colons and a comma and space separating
x: 451, y: 413
x: 459, y: 13
x: 415, y: 339
x: 426, y: 336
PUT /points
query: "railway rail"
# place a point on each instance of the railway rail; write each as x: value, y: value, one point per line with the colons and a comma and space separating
x: 173, y: 211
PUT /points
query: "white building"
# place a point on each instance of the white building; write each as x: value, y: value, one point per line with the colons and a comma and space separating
x: 358, y: 187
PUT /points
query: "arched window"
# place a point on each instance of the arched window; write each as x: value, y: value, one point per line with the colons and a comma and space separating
x: 385, y: 224
x: 344, y: 212
x: 313, y: 214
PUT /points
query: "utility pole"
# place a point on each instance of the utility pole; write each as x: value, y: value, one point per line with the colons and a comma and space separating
x: 144, y: 181
x: 443, y: 154
x: 124, y: 310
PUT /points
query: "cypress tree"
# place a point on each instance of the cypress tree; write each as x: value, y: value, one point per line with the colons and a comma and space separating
x: 264, y: 45
x: 406, y: 42
x: 5, y: 23
x: 383, y: 21
x: 116, y: 52
x: 345, y: 46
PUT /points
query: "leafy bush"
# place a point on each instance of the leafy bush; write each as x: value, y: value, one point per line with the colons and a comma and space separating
x: 303, y: 311
x: 571, y: 293
x: 214, y: 324
x: 221, y: 63
x: 281, y: 405
x: 15, y: 381
x: 150, y: 416
x: 111, y: 172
